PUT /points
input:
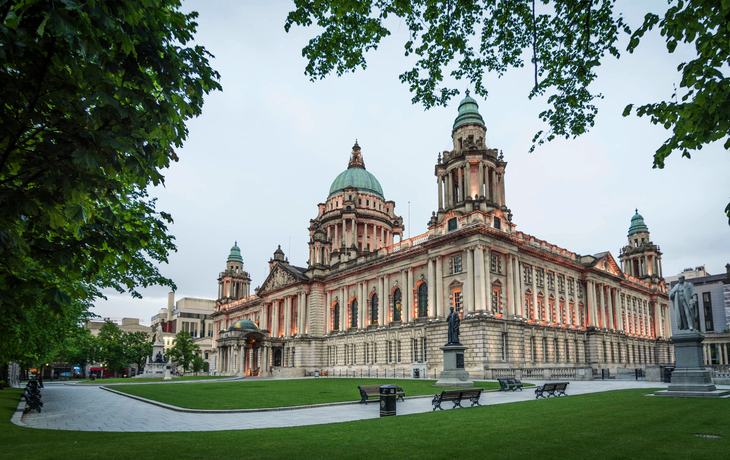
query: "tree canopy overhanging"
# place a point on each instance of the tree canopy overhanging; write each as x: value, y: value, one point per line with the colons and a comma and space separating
x: 95, y: 96
x: 564, y: 40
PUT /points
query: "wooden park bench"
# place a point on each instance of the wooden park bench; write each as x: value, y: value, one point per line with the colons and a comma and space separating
x: 551, y: 389
x: 456, y: 396
x: 509, y: 384
x: 373, y: 391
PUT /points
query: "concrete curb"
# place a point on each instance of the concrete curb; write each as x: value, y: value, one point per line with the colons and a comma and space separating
x: 243, y: 411
x: 102, y: 384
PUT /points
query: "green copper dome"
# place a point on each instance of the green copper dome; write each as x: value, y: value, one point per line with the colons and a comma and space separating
x: 356, y: 176
x: 637, y: 224
x: 235, y: 255
x: 244, y: 324
x: 468, y: 112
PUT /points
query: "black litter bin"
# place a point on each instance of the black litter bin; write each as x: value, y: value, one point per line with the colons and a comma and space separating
x: 92, y: 376
x: 388, y: 395
x: 667, y: 377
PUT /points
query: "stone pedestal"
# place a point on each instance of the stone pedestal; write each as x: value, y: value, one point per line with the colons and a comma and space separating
x: 690, y: 377
x: 454, y: 374
x: 153, y: 368
x: 167, y: 374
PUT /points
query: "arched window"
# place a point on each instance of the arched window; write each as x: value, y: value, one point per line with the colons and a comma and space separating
x: 541, y: 306
x: 397, y: 304
x: 422, y: 300
x: 353, y: 313
x: 374, y: 309
x: 336, y: 316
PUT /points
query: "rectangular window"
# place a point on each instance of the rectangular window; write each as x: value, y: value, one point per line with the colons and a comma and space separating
x: 415, y: 350
x: 425, y: 351
x: 456, y: 302
x: 707, y: 304
x: 456, y: 263
x: 390, y: 351
x: 452, y: 224
x: 398, y: 352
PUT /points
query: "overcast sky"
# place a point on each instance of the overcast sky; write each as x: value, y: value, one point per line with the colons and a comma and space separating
x: 266, y: 149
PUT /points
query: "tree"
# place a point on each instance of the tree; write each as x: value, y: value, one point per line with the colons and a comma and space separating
x: 112, y: 350
x: 566, y: 41
x: 138, y: 348
x: 198, y: 363
x: 95, y: 96
x: 34, y: 336
x: 183, y: 350
x: 79, y: 349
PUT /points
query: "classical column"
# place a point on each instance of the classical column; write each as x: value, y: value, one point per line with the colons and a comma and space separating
x: 343, y: 308
x: 469, y: 295
x: 481, y: 179
x: 409, y: 295
x: 503, y: 200
x: 461, y: 184
x: 431, y: 287
x: 302, y: 313
x: 467, y: 180
x: 385, y: 301
x: 439, y: 286
x: 275, y: 318
x: 612, y: 308
x: 382, y: 298
x: 287, y: 316
x: 362, y: 305
x: 508, y: 287
x: 479, y: 277
x: 328, y: 313
x: 241, y: 357
x: 521, y: 301
x: 439, y: 179
x: 493, y: 185
x: 449, y: 190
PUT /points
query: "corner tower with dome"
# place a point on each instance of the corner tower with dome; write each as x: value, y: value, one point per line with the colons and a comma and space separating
x: 369, y: 301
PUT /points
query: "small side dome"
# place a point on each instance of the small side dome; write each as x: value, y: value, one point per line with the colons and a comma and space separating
x: 279, y: 254
x: 245, y: 324
x: 235, y: 255
x: 637, y: 224
x: 468, y: 112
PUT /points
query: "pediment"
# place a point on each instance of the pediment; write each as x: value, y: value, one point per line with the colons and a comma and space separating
x: 278, y: 278
x: 608, y: 264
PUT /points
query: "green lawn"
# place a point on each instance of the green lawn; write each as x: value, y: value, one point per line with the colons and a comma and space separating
x: 621, y: 424
x: 255, y: 394
x: 143, y: 380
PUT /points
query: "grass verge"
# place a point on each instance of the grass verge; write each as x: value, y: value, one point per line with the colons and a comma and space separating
x: 612, y: 425
x: 143, y: 380
x: 256, y: 394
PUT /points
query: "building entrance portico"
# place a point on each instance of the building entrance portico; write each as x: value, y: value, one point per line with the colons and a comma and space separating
x: 240, y: 350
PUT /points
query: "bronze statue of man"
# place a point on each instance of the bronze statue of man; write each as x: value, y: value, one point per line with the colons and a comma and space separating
x: 684, y: 296
x: 453, y: 321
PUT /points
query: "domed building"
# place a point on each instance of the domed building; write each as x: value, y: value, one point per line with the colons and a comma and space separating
x: 370, y: 302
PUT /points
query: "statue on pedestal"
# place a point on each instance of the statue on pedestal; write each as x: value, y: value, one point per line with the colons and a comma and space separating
x: 453, y: 321
x: 684, y: 296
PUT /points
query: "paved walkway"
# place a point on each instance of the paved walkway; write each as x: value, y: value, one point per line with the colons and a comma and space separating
x: 91, y: 408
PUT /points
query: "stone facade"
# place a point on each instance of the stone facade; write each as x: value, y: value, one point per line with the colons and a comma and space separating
x: 367, y: 305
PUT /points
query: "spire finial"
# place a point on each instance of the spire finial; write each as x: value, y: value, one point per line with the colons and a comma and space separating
x: 235, y: 243
x: 637, y: 210
x: 467, y: 92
